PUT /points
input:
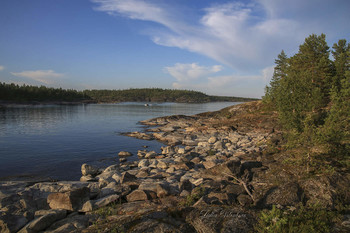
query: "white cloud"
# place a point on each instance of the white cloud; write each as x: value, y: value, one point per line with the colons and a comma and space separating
x: 188, y: 72
x: 2, y: 68
x: 231, y: 85
x: 242, y: 35
x: 44, y: 76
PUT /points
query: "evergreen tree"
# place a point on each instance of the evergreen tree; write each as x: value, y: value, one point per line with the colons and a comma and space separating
x: 304, y: 90
x: 280, y: 72
x: 336, y: 130
x: 341, y: 53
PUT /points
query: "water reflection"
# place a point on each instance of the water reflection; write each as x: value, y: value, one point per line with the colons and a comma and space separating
x: 55, y: 140
x: 34, y: 119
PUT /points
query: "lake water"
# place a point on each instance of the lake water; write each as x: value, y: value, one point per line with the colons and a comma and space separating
x: 55, y: 140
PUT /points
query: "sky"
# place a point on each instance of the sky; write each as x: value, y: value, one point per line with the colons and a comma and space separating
x: 218, y: 47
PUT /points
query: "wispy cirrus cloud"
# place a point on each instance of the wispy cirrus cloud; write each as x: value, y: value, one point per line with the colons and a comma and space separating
x: 43, y: 76
x: 2, y: 68
x: 240, y: 34
x: 244, y: 35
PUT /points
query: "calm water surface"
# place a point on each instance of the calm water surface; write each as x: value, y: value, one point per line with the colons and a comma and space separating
x: 54, y: 140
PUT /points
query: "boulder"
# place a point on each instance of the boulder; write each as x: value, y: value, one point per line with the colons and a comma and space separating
x: 110, y: 174
x: 153, y: 163
x: 185, y: 185
x: 219, y: 198
x: 122, y: 160
x: 182, y: 166
x: 112, y: 168
x: 248, y: 165
x: 142, y: 173
x: 203, y: 144
x: 168, y: 150
x: 231, y: 167
x: 87, y: 169
x: 162, y: 165
x: 181, y: 150
x: 11, y: 223
x: 286, y: 194
x: 72, y: 223
x: 44, y: 221
x: 212, y: 140
x: 234, y: 189
x: 111, y: 188
x: 126, y: 177
x: 162, y: 190
x: 91, y: 205
x: 143, y: 163
x: 209, y: 164
x: 106, y: 200
x: 150, y: 155
x: 88, y: 178
x: 124, y: 154
x: 198, y: 182
x: 214, y: 219
x: 244, y: 200
x: 170, y: 170
x: 71, y: 200
x: 137, y: 195
x: 218, y: 145
x: 141, y: 153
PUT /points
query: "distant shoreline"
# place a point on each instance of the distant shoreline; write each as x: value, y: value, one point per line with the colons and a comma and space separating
x: 33, y: 95
x: 4, y: 104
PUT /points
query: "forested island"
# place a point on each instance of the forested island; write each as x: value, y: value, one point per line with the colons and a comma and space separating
x: 13, y: 93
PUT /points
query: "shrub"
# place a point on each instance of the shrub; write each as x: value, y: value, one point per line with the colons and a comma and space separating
x: 301, y: 219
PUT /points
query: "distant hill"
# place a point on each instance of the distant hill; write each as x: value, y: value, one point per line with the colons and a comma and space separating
x: 157, y: 95
x: 26, y: 93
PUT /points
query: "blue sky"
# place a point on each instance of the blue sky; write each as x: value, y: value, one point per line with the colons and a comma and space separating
x: 217, y: 47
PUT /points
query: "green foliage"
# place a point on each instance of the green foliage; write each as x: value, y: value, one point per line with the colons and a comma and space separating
x: 301, y: 219
x: 102, y: 224
x: 106, y: 211
x: 156, y: 95
x: 25, y: 93
x: 191, y: 199
x: 211, y: 152
x: 336, y: 130
x: 279, y: 74
x: 311, y: 94
x: 304, y: 90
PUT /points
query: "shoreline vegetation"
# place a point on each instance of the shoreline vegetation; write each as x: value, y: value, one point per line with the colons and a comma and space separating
x: 276, y: 165
x: 31, y: 95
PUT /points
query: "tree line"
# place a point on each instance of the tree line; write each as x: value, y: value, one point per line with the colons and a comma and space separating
x: 311, y: 93
x: 27, y: 93
x: 156, y: 95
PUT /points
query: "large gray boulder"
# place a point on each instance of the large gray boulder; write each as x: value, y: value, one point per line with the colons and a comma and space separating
x: 87, y: 169
x: 71, y: 200
x: 124, y: 154
x: 137, y: 195
x: 44, y: 221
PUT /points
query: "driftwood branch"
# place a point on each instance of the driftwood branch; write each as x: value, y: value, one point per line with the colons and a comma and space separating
x: 241, y: 182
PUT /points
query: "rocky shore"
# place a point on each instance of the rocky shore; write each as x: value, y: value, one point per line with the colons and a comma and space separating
x: 214, y: 174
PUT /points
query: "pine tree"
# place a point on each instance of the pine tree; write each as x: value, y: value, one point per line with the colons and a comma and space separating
x: 304, y: 90
x: 336, y: 130
x: 341, y: 53
x: 273, y: 92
